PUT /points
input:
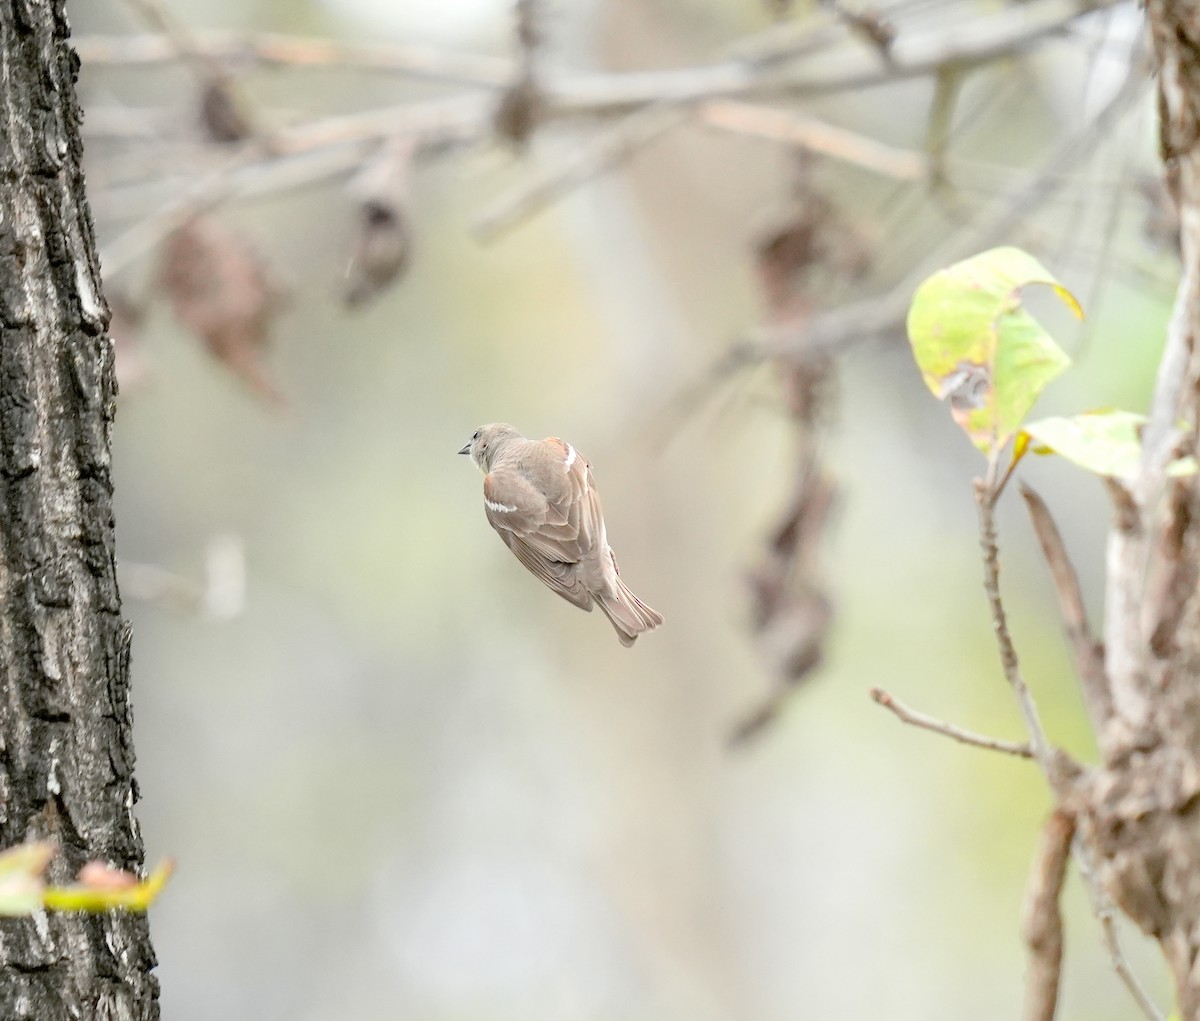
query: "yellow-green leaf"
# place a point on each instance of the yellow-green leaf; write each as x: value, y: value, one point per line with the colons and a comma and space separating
x: 977, y: 347
x: 21, y: 870
x: 135, y: 896
x: 1105, y: 442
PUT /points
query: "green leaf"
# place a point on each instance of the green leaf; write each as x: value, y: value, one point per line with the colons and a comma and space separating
x: 21, y: 885
x: 24, y: 891
x: 117, y: 890
x: 1105, y: 442
x: 976, y: 346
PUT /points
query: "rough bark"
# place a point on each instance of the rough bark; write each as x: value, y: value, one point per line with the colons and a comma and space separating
x: 66, y: 760
x: 1140, y: 810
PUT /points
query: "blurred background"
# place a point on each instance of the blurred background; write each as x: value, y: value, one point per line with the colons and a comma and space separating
x: 402, y: 779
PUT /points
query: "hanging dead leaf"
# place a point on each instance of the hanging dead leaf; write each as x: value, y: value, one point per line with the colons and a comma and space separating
x: 222, y: 113
x: 875, y: 26
x: 518, y: 112
x: 811, y: 242
x: 529, y: 31
x: 791, y: 611
x: 383, y: 243
x: 221, y: 289
x: 96, y: 875
x: 520, y: 107
x: 785, y: 257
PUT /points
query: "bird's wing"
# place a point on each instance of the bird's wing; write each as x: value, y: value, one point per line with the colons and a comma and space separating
x: 573, y: 525
x: 559, y: 577
x: 519, y: 513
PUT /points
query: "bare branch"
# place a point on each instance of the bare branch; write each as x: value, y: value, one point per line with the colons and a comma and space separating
x: 789, y: 40
x: 1089, y: 659
x: 182, y: 44
x: 578, y: 165
x: 973, y: 38
x: 1102, y: 909
x: 270, y: 50
x: 1043, y: 924
x: 306, y: 155
x: 813, y: 135
x: 659, y: 97
x: 985, y: 499
x: 919, y: 719
x: 150, y: 231
x: 883, y: 315
x: 224, y: 113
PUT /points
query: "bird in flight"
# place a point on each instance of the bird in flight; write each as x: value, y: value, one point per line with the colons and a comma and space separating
x: 540, y: 498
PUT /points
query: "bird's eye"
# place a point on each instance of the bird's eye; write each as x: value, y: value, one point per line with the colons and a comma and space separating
x: 476, y: 436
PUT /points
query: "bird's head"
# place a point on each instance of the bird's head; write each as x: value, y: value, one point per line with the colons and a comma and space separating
x: 488, y: 442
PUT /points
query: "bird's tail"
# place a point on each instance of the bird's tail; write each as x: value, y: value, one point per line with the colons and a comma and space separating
x: 629, y: 615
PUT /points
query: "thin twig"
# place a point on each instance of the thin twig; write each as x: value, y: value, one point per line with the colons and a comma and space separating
x: 272, y: 50
x: 985, y: 499
x: 579, y: 164
x: 306, y: 155
x: 788, y: 40
x: 918, y: 719
x: 814, y: 135
x: 1102, y: 909
x: 148, y: 232
x: 180, y: 38
x: 1043, y: 924
x: 1089, y: 659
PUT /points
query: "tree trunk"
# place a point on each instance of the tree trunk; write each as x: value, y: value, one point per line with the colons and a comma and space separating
x: 66, y: 757
x: 1141, y: 808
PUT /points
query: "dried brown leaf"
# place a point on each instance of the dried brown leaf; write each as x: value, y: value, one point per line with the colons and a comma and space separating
x: 518, y: 112
x: 97, y: 875
x: 222, y: 113
x: 529, y: 25
x: 875, y: 26
x: 221, y: 289
x: 383, y: 243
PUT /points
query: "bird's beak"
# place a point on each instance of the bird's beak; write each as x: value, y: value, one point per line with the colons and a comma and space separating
x: 466, y: 449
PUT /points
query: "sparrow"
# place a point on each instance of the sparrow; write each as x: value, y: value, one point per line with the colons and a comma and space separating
x: 539, y: 496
